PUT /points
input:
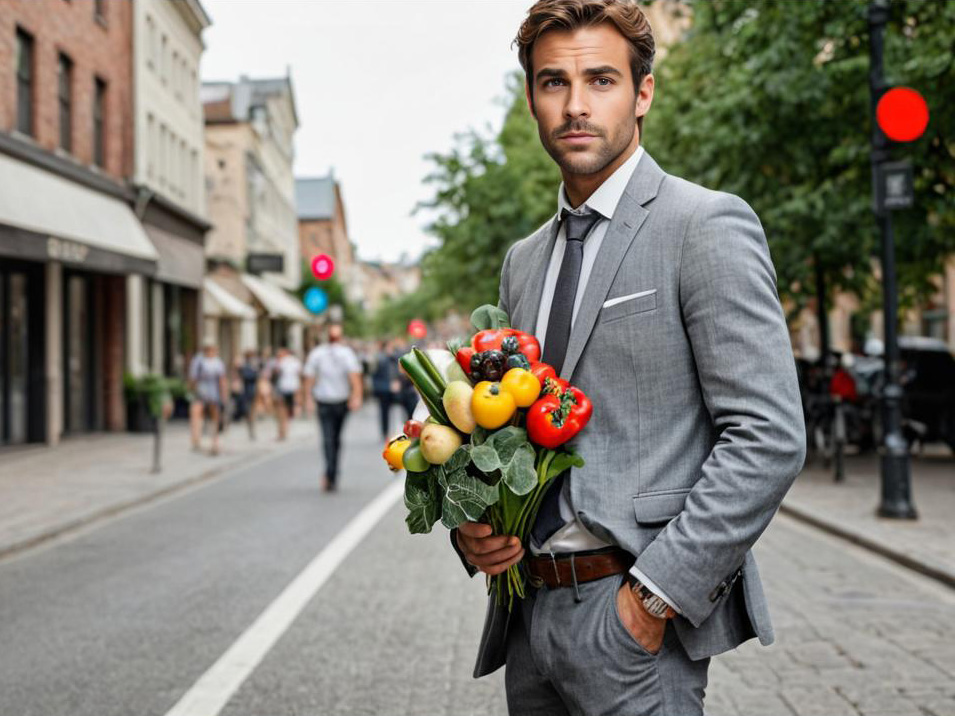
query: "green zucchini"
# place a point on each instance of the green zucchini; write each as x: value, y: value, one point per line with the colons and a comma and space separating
x: 425, y: 386
x: 425, y: 360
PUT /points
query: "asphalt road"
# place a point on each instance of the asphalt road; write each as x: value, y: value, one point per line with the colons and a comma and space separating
x: 127, y: 618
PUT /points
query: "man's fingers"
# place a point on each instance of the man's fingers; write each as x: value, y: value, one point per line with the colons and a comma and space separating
x: 475, y: 529
x: 494, y: 559
x: 487, y: 545
x: 503, y: 566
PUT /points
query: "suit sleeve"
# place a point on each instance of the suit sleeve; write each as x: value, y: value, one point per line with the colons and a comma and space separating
x: 503, y: 304
x: 747, y: 375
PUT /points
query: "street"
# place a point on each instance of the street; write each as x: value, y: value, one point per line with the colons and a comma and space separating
x: 127, y: 616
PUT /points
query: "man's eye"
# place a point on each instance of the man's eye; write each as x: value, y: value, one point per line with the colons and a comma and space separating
x: 604, y: 81
x: 551, y: 83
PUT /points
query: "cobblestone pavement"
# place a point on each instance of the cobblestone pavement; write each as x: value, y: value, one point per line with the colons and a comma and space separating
x: 850, y: 507
x: 45, y: 491
x: 855, y: 634
x: 395, y: 631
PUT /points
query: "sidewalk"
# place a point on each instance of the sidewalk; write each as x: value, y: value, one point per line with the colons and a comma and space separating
x: 47, y: 491
x: 848, y: 509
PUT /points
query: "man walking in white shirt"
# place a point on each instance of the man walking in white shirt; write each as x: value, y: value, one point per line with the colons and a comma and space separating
x: 333, y: 376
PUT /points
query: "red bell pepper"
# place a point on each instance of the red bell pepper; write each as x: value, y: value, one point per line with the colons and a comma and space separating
x: 463, y: 357
x: 555, y: 386
x: 492, y: 338
x: 542, y: 371
x: 553, y: 419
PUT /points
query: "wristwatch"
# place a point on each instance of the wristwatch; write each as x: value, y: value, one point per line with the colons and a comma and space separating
x: 652, y: 603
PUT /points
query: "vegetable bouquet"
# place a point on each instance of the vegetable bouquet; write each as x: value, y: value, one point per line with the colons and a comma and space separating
x: 496, y: 436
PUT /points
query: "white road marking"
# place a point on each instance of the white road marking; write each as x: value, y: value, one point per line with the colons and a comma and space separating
x: 209, y: 695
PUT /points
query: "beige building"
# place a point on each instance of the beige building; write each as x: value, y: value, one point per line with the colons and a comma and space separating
x: 250, y: 193
x: 163, y: 311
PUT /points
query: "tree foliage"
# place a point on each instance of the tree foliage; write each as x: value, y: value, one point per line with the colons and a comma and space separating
x: 770, y: 101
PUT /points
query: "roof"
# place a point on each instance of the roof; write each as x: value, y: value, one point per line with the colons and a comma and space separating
x: 233, y: 101
x: 315, y: 198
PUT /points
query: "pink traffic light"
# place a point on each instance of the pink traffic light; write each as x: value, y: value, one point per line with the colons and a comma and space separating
x: 323, y: 266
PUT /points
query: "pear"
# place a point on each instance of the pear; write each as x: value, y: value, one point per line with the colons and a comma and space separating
x: 457, y: 404
x: 438, y: 443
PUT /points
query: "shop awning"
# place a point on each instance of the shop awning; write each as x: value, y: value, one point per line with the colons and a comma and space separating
x: 62, y: 220
x: 276, y: 302
x: 219, y: 303
x: 181, y: 261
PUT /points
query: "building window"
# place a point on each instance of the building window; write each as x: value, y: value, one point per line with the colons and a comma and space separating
x: 99, y: 123
x: 65, y: 99
x: 151, y: 42
x: 164, y: 58
x: 24, y: 82
x: 99, y: 10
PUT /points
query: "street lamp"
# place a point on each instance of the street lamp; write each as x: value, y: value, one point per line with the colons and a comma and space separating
x: 892, y: 184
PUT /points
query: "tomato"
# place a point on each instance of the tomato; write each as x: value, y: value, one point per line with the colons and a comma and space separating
x: 491, y: 406
x: 523, y: 385
x: 542, y: 371
x: 394, y: 452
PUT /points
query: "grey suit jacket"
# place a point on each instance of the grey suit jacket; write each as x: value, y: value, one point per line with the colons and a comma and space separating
x: 697, y: 431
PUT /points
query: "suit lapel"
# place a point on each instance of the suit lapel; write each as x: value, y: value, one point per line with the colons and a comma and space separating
x: 538, y: 264
x: 624, y: 226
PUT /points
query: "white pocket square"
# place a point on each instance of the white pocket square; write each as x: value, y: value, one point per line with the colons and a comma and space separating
x: 632, y: 296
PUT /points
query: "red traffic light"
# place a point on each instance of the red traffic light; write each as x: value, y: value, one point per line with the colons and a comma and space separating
x: 417, y: 328
x: 902, y: 114
x: 323, y: 266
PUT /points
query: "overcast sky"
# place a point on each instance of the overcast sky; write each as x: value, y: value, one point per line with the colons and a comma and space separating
x: 378, y: 84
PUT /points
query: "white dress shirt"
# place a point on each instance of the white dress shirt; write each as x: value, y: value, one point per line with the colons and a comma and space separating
x: 574, y: 536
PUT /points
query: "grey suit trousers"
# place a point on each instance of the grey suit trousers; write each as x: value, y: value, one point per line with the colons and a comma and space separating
x: 565, y: 657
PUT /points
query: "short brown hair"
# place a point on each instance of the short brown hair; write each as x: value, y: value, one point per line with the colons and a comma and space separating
x: 625, y: 15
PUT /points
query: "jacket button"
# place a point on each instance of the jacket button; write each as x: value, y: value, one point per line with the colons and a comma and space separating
x: 718, y: 592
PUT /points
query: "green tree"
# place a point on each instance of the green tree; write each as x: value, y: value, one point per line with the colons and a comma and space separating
x: 489, y: 192
x: 770, y: 101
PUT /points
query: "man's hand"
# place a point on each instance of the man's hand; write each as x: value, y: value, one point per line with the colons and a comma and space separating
x: 490, y: 553
x: 354, y: 402
x: 645, y: 629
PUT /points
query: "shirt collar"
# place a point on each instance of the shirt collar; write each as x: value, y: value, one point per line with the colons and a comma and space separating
x: 605, y: 199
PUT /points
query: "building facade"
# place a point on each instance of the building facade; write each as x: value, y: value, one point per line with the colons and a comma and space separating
x: 168, y: 179
x: 252, y: 249
x: 68, y: 235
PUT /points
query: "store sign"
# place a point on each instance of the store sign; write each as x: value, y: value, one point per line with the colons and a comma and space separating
x: 68, y: 251
x: 265, y: 263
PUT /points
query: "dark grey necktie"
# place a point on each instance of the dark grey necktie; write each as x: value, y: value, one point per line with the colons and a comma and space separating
x: 578, y: 227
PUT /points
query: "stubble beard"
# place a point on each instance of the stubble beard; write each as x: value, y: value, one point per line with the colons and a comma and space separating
x: 576, y: 161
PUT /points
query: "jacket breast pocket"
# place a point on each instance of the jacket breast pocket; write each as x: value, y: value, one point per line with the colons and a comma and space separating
x: 656, y: 508
x: 628, y: 307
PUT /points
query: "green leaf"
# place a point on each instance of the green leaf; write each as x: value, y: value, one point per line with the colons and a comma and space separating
x: 459, y: 459
x: 487, y: 316
x: 465, y: 498
x: 519, y: 474
x: 563, y: 460
x: 506, y: 441
x: 485, y: 458
x: 479, y: 436
x: 423, y: 499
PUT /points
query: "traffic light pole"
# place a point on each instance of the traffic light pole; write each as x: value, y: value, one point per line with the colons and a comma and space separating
x: 896, y: 499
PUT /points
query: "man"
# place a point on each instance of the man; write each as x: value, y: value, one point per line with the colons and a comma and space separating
x: 333, y: 377
x: 657, y: 298
x: 288, y: 382
x: 207, y: 381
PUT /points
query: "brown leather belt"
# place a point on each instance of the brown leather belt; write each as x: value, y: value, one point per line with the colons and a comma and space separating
x: 567, y: 570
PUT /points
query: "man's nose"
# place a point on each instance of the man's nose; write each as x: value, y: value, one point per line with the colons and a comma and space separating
x: 577, y: 105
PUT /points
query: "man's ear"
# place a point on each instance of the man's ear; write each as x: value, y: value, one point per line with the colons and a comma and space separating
x: 530, y: 99
x: 645, y: 96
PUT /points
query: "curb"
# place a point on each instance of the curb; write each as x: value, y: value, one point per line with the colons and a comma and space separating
x: 115, y: 509
x: 806, y: 516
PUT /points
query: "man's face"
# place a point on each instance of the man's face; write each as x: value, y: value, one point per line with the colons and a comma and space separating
x: 583, y: 95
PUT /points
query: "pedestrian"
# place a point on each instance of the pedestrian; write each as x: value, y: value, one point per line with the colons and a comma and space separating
x: 385, y: 385
x: 657, y: 298
x: 207, y: 377
x: 263, y: 386
x: 249, y: 375
x: 333, y: 376
x: 288, y: 383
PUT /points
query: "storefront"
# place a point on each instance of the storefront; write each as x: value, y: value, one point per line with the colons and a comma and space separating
x: 281, y: 317
x: 66, y: 251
